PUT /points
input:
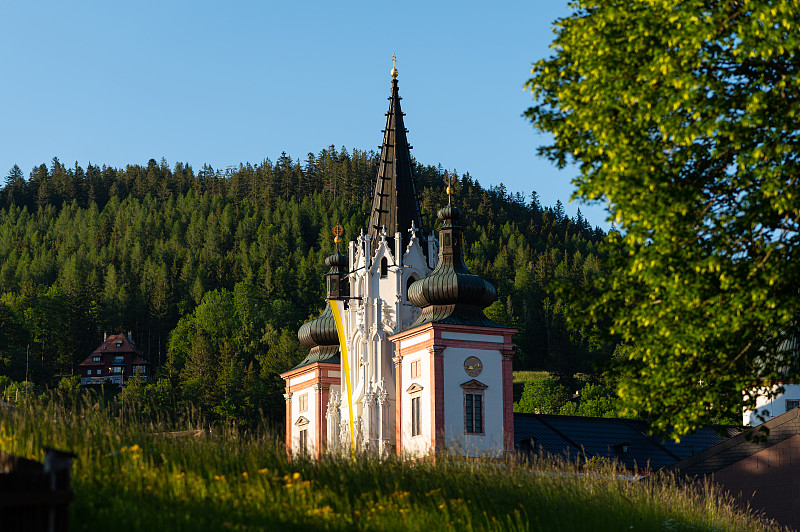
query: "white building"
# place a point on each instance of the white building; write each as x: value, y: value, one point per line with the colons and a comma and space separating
x: 772, y: 401
x: 425, y: 369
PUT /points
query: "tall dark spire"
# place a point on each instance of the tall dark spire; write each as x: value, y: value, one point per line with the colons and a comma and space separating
x: 394, y: 204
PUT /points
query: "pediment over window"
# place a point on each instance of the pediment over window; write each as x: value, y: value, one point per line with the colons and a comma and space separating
x: 414, y: 388
x: 302, y: 421
x: 474, y: 384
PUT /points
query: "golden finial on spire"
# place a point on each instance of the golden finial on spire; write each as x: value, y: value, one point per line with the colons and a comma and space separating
x: 449, y: 179
x: 394, y: 66
x: 337, y: 232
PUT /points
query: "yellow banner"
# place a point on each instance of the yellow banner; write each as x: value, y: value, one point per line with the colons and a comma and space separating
x: 337, y: 307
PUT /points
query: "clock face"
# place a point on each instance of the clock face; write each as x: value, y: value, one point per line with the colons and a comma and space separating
x: 473, y: 366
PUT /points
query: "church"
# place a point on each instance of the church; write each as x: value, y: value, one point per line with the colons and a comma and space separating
x: 403, y: 359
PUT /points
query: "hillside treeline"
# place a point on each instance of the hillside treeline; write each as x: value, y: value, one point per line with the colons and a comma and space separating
x: 213, y: 271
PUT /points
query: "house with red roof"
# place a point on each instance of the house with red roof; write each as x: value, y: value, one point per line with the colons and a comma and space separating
x: 116, y: 360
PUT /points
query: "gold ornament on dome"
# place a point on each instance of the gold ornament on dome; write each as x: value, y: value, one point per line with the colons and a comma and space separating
x: 473, y: 366
x: 449, y: 179
x: 394, y: 66
x: 337, y: 233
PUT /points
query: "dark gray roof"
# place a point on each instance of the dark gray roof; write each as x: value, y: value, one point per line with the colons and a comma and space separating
x: 743, y: 445
x: 577, y: 438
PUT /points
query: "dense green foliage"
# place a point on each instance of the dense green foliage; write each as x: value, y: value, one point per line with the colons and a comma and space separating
x: 683, y: 119
x: 135, y: 475
x: 546, y: 395
x: 213, y: 272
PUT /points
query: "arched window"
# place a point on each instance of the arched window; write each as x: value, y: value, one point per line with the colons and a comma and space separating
x: 411, y: 280
x: 384, y: 267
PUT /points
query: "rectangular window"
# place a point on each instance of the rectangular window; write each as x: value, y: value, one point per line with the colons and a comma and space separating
x: 416, y: 424
x: 116, y: 369
x: 792, y: 403
x: 303, y: 441
x: 473, y: 413
x: 303, y: 402
x: 95, y: 359
x: 416, y: 369
x: 118, y: 359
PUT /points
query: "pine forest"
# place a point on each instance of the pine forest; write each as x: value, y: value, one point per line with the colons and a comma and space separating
x: 213, y: 271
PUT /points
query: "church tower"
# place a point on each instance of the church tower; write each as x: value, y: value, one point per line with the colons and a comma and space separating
x: 454, y: 378
x: 384, y: 262
x: 311, y: 384
x: 406, y: 334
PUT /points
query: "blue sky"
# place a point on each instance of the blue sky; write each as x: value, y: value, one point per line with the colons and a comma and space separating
x: 228, y: 82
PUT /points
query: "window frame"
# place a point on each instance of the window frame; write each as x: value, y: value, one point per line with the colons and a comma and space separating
x: 416, y: 368
x: 416, y: 415
x: 796, y: 401
x: 415, y: 393
x: 473, y: 389
x: 469, y: 413
x: 302, y: 403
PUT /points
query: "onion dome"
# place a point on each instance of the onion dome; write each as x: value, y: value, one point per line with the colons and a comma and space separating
x: 336, y: 262
x: 321, y: 331
x: 321, y: 338
x: 451, y: 294
x: 320, y: 335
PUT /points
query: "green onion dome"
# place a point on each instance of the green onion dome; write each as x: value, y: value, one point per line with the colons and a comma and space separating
x: 321, y: 331
x: 336, y: 262
x: 320, y: 335
x: 451, y: 294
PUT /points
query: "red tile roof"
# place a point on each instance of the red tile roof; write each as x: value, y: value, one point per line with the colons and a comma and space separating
x: 108, y: 349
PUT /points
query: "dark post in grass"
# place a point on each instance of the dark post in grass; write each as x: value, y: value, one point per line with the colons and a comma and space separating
x: 34, y: 496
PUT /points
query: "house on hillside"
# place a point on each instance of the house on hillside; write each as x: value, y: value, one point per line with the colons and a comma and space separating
x: 114, y: 361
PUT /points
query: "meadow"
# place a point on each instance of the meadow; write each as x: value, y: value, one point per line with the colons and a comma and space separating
x: 133, y: 474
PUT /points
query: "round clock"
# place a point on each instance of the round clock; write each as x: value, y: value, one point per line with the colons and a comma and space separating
x: 473, y: 366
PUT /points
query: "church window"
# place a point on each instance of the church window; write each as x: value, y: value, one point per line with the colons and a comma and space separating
x: 792, y: 403
x: 303, y: 441
x: 411, y: 280
x: 303, y: 402
x: 384, y: 267
x: 416, y: 424
x: 473, y: 412
x: 416, y: 369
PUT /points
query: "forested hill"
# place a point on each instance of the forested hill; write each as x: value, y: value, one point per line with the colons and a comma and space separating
x: 214, y: 271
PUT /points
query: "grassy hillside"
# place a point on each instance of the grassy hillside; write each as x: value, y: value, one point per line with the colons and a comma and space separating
x: 129, y: 475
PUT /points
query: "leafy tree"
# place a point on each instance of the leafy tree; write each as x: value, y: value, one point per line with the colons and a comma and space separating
x: 683, y: 119
x: 542, y: 396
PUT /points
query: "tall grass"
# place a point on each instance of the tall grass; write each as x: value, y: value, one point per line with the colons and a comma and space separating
x: 129, y: 475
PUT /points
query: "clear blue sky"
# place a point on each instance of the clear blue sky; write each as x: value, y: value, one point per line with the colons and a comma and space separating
x: 221, y: 83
